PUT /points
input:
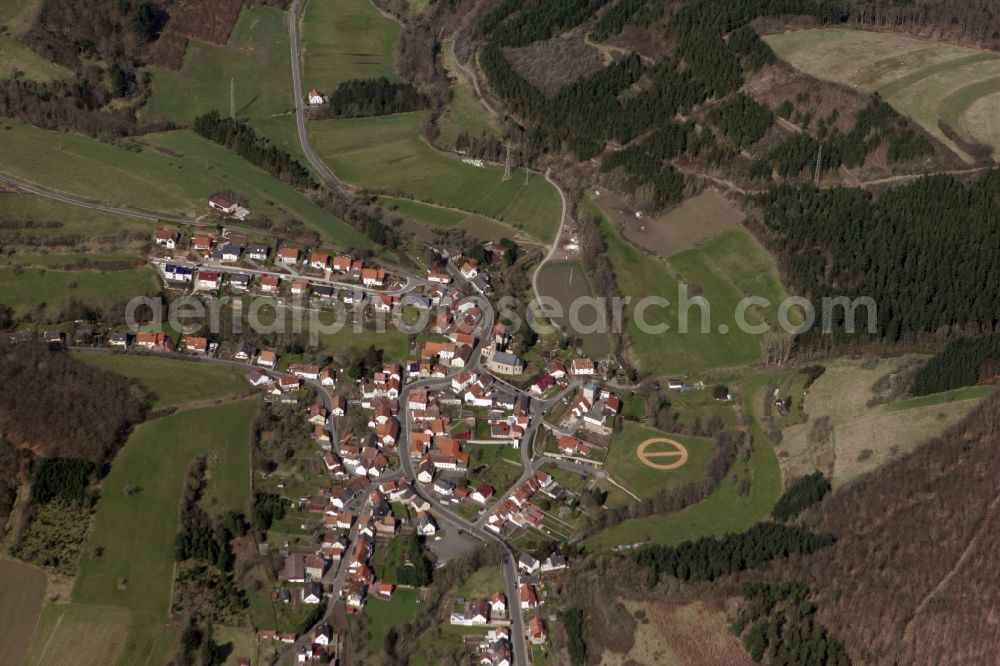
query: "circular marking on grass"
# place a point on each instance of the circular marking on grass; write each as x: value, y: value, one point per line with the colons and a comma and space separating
x: 676, y: 450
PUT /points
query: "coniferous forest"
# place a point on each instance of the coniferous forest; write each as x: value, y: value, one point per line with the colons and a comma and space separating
x: 924, y: 251
x: 374, y: 97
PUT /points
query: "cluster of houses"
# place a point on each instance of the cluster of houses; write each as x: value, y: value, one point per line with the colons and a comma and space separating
x: 233, y: 248
x: 517, y: 510
x: 325, y: 645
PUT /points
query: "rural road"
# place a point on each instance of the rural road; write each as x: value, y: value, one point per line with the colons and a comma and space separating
x: 300, y: 115
x: 555, y: 241
x: 47, y: 194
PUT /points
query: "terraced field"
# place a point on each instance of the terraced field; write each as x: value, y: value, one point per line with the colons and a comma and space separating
x: 935, y: 84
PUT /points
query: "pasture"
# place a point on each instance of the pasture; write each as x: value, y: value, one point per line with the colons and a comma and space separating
x: 723, y: 270
x: 931, y: 82
x: 343, y: 40
x: 72, y: 634
x: 624, y: 465
x: 862, y: 436
x: 135, y: 532
x: 23, y: 588
x: 370, y: 627
x: 387, y: 154
x: 171, y: 173
x: 430, y: 216
x: 37, y: 287
x: 686, y: 226
x: 566, y: 281
x: 172, y: 382
x: 256, y: 58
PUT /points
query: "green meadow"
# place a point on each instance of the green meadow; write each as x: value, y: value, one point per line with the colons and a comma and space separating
x: 172, y: 382
x: 23, y: 289
x: 723, y: 270
x: 171, y: 172
x: 345, y: 39
x: 256, y: 58
x: 725, y: 510
x: 567, y: 281
x: 387, y: 154
x: 625, y: 467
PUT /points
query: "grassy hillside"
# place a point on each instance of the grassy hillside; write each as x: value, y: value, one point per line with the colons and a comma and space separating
x: 387, y: 153
x: 931, y: 82
x: 256, y: 58
x: 34, y: 287
x: 128, y: 587
x: 172, y: 172
x: 15, y: 18
x: 345, y: 39
x: 723, y: 270
x: 172, y: 382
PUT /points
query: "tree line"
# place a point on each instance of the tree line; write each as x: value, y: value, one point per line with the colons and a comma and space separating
x: 963, y: 362
x: 925, y: 252
x: 801, y: 494
x: 710, y: 557
x: 256, y: 149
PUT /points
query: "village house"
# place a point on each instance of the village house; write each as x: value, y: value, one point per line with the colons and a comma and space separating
x: 119, y: 339
x: 438, y: 277
x: 201, y: 243
x: 195, y: 345
x: 153, y: 341
x: 245, y: 351
x: 338, y: 405
x: 223, y: 204
x: 482, y: 494
x: 583, y: 367
x: 240, y: 281
x: 476, y: 612
x: 571, y: 446
x: 342, y: 264
x: 300, y: 287
x: 231, y: 252
x: 316, y: 98
x: 498, y: 605
x: 319, y: 260
x: 208, y: 280
x: 288, y: 255
x: 258, y: 252
x: 469, y: 271
x: 167, y: 238
x: 536, y: 631
x: 529, y: 597
x: 373, y: 277
x: 304, y: 371
x: 528, y: 564
x: 267, y: 359
x: 270, y: 284
x: 178, y: 273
